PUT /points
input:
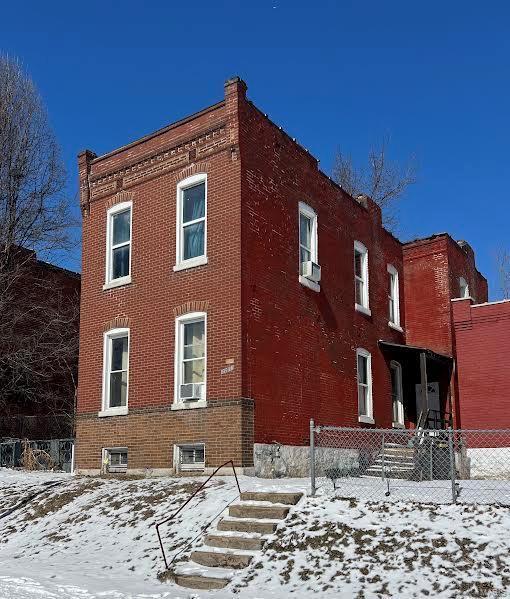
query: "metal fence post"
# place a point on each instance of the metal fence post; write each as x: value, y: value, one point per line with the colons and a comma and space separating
x: 312, y: 457
x: 452, y: 464
x: 383, y: 473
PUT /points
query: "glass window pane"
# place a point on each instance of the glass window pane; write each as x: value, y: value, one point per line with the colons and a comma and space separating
x: 359, y: 292
x: 362, y: 400
x: 194, y: 371
x: 362, y: 370
x: 194, y: 332
x: 193, y: 242
x: 358, y: 264
x: 121, y: 227
x: 305, y: 231
x: 119, y: 353
x: 194, y: 351
x: 120, y: 266
x: 193, y: 202
x: 118, y: 389
x: 392, y: 310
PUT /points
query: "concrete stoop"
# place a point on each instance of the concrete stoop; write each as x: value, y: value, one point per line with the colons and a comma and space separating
x: 238, y: 536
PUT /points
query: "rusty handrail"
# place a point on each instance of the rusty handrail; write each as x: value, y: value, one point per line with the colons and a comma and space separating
x: 231, y: 462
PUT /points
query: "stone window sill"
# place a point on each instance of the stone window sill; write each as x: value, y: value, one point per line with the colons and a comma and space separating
x: 117, y: 283
x: 192, y: 405
x: 120, y: 411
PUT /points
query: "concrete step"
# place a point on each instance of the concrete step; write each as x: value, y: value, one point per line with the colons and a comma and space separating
x: 286, y: 498
x: 222, y: 559
x: 275, y: 512
x: 197, y: 581
x: 234, y: 542
x: 245, y: 525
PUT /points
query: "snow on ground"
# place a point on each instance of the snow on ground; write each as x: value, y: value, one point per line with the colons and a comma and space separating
x: 90, y: 538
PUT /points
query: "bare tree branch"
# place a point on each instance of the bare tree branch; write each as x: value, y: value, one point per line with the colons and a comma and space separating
x: 383, y: 180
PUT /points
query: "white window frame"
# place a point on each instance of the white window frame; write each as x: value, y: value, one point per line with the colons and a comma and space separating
x: 365, y: 305
x: 310, y: 213
x: 106, y: 453
x: 400, y: 423
x: 367, y: 418
x: 180, y: 263
x: 395, y: 297
x: 121, y: 207
x: 178, y: 467
x: 107, y: 339
x: 463, y: 288
x: 180, y: 321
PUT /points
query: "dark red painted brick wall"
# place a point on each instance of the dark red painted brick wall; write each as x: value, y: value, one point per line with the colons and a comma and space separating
x: 482, y: 333
x: 299, y: 346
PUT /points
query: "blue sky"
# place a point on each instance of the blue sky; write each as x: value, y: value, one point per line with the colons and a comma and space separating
x: 433, y: 76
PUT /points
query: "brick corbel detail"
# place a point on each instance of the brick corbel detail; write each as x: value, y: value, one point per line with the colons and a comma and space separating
x: 121, y: 196
x: 119, y: 322
x: 193, y: 306
x: 198, y: 167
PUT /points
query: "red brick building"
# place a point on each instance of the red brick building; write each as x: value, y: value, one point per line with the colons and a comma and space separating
x: 231, y: 291
x: 482, y: 331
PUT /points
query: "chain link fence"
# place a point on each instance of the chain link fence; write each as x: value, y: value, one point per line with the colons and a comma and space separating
x: 441, y: 466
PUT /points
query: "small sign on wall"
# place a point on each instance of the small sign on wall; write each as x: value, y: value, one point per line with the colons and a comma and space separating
x: 229, y: 367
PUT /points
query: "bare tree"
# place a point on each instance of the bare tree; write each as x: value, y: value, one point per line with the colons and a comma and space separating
x: 382, y: 179
x: 38, y: 314
x: 503, y: 266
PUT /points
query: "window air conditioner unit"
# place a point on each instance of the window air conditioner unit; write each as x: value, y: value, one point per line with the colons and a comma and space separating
x: 192, y: 391
x: 312, y: 271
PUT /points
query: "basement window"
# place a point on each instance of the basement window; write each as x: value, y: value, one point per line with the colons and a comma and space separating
x: 115, y: 459
x: 189, y: 457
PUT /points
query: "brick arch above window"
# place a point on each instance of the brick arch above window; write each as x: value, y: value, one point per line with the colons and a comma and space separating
x: 198, y: 167
x: 121, y: 196
x: 192, y: 306
x: 119, y: 322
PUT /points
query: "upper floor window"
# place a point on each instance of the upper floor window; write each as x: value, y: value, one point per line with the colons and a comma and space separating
x: 118, y: 245
x: 191, y: 238
x: 364, y: 375
x: 463, y: 287
x: 309, y: 269
x: 393, y: 297
x: 190, y: 360
x: 361, y: 277
x: 115, y: 375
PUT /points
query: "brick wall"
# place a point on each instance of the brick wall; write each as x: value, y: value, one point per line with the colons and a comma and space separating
x: 299, y: 346
x: 147, y: 172
x: 482, y: 333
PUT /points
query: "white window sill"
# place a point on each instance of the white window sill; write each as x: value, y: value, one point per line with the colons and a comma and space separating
x: 117, y: 283
x: 191, y: 263
x: 191, y: 467
x: 398, y: 425
x: 189, y: 405
x: 366, y: 419
x: 120, y: 411
x: 310, y: 284
x: 363, y: 310
x: 398, y: 328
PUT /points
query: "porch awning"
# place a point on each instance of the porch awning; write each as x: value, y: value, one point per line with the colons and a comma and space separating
x: 413, y: 349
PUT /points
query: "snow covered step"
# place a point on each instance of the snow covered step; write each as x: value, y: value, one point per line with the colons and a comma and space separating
x: 234, y: 541
x: 285, y: 498
x: 222, y: 559
x: 245, y: 525
x: 193, y: 576
x: 246, y: 510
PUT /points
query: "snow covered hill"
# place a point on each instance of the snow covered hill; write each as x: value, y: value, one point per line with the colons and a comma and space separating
x: 84, y: 538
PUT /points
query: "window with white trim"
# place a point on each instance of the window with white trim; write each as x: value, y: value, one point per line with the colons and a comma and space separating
x: 463, y: 287
x: 191, y: 238
x: 393, y: 296
x: 115, y: 459
x: 116, y: 371
x: 190, y: 368
x: 307, y: 236
x: 364, y: 377
x: 397, y: 401
x: 190, y: 457
x: 361, y: 277
x: 118, y: 244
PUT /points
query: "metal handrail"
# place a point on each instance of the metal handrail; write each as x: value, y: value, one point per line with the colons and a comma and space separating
x: 231, y: 462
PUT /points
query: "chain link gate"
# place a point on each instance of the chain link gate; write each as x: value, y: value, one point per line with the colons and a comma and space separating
x: 425, y: 465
